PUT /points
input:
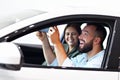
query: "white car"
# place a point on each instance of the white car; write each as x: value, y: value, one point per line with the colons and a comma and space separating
x: 21, y: 54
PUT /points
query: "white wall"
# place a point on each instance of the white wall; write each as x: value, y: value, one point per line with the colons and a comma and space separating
x: 9, y: 6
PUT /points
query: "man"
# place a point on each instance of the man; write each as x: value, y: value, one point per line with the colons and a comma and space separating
x: 91, y: 45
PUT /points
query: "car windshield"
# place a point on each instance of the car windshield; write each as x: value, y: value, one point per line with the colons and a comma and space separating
x: 18, y: 16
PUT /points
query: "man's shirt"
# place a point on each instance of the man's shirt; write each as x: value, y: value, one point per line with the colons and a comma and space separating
x: 73, y: 53
x: 83, y: 61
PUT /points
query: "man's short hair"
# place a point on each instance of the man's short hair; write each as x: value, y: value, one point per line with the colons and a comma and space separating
x: 100, y: 30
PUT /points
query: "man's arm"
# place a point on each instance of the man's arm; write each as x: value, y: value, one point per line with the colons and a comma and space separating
x: 59, y: 49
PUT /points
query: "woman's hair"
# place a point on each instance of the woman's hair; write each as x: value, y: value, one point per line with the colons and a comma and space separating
x: 76, y: 26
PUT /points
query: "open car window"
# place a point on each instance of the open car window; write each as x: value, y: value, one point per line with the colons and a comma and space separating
x: 32, y: 46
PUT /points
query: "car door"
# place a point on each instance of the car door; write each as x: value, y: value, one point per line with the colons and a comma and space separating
x: 32, y: 68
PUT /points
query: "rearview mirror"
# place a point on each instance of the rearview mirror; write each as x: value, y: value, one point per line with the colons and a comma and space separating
x: 44, y: 30
x: 10, y: 56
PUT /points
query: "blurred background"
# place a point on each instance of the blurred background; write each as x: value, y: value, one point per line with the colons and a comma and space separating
x: 11, y: 6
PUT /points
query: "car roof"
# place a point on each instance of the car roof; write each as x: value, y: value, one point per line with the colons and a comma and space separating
x: 17, y: 16
x: 61, y: 11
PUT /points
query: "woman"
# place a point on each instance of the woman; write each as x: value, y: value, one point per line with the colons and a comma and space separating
x: 71, y: 33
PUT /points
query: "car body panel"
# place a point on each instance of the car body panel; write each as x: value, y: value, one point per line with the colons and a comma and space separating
x: 49, y: 74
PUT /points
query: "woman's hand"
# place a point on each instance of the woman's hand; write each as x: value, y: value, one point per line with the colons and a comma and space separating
x: 41, y: 35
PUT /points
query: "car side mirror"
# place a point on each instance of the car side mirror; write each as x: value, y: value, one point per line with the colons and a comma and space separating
x: 11, y: 56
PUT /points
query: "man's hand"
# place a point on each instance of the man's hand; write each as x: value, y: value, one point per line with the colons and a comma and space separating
x: 53, y: 34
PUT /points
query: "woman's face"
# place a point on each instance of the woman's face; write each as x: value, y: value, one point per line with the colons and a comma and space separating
x: 71, y: 36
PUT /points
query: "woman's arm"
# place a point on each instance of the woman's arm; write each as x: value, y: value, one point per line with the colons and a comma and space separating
x: 47, y: 50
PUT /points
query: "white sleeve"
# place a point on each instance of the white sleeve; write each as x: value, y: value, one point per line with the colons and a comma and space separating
x: 68, y: 63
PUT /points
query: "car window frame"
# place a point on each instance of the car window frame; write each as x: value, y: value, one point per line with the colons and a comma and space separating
x: 63, y: 20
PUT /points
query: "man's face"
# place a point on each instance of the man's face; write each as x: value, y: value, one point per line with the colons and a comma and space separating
x: 86, y: 39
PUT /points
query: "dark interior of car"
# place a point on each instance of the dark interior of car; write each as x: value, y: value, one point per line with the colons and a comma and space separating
x: 33, y: 54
